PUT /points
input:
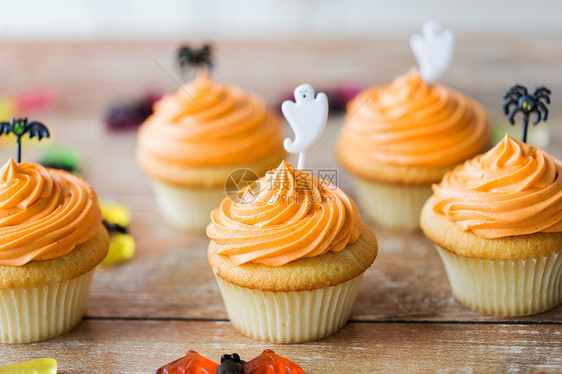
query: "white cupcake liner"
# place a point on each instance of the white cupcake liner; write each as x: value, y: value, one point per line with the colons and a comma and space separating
x: 392, y: 205
x: 505, y: 288
x: 34, y: 314
x: 289, y: 317
x: 184, y: 207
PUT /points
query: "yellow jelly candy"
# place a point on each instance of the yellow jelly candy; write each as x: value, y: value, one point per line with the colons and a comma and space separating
x: 6, y: 110
x: 115, y: 213
x: 121, y: 248
x: 39, y: 366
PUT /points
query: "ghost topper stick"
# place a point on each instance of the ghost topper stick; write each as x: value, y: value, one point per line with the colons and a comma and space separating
x: 433, y: 49
x: 20, y: 127
x: 307, y: 116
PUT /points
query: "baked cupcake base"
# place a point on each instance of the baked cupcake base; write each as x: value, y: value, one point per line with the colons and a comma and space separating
x: 40, y: 313
x: 187, y: 195
x: 391, y: 195
x: 289, y: 317
x: 301, y: 301
x: 505, y: 288
x: 186, y: 208
x: 43, y: 299
x: 511, y: 276
x: 394, y: 206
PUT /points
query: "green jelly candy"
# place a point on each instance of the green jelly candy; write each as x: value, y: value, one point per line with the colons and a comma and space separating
x: 62, y: 155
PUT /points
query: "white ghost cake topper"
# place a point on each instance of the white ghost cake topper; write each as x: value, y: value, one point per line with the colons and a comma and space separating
x: 307, y: 116
x: 433, y: 49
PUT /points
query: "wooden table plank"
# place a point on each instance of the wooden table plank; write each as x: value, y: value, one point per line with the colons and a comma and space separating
x: 121, y: 346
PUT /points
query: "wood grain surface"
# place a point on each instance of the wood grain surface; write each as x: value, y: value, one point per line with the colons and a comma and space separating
x: 150, y: 310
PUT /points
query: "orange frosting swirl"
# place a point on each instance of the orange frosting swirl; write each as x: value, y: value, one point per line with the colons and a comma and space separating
x: 414, y: 123
x: 44, y: 213
x: 207, y: 124
x: 513, y: 189
x: 293, y: 215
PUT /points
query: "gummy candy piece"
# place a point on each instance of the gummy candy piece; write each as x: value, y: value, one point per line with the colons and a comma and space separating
x: 115, y: 213
x: 39, y: 366
x: 26, y: 103
x: 128, y: 116
x: 33, y: 101
x: 63, y: 158
x: 121, y: 244
x: 121, y: 248
x: 6, y: 110
x: 192, y: 363
x: 270, y: 363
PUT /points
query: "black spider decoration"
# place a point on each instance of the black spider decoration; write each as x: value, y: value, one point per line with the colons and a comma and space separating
x: 520, y: 101
x: 21, y: 126
x: 188, y: 57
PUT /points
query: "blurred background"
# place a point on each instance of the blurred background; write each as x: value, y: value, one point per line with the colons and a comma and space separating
x: 268, y: 46
x: 125, y: 19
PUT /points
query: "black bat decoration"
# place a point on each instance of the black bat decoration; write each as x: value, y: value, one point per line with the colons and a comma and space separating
x: 20, y: 127
x: 189, y: 57
x: 518, y: 100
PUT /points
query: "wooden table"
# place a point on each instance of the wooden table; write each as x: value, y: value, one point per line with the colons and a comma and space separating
x: 149, y: 311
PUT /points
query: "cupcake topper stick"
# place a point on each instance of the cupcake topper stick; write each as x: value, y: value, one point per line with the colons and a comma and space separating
x: 21, y: 126
x: 519, y: 100
x: 189, y: 57
x: 307, y: 116
x: 433, y: 49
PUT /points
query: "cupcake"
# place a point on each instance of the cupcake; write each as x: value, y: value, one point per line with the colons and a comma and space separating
x: 288, y: 254
x: 195, y: 138
x: 400, y: 138
x: 496, y: 221
x: 51, y: 239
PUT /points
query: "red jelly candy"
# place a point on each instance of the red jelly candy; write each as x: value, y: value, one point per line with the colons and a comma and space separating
x: 270, y: 363
x: 192, y: 363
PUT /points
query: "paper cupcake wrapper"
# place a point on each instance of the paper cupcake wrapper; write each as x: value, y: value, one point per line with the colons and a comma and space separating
x: 392, y: 205
x: 289, y: 317
x: 34, y: 314
x: 505, y: 288
x: 184, y: 207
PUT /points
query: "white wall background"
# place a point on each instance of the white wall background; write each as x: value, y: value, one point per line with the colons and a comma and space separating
x: 91, y: 19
